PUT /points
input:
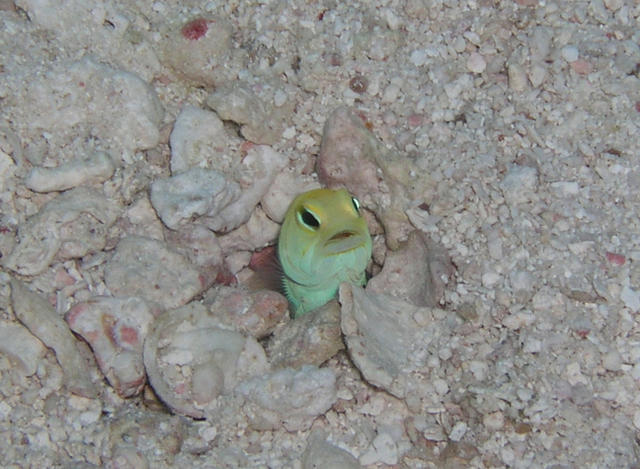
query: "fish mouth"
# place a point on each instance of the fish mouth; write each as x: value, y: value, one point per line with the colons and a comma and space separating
x: 343, y: 241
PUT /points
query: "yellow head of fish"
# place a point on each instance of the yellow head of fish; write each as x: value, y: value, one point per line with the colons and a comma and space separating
x: 323, y: 242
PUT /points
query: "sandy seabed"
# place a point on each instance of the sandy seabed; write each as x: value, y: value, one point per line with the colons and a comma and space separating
x: 515, y: 125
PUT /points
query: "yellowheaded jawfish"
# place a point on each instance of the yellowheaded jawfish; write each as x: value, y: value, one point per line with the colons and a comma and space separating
x: 324, y: 241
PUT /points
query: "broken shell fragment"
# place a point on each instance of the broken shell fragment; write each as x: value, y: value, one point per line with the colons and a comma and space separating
x: 97, y: 168
x: 250, y: 312
x: 22, y: 348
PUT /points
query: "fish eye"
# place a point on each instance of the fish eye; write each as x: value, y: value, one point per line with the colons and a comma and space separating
x: 308, y: 219
x: 356, y: 204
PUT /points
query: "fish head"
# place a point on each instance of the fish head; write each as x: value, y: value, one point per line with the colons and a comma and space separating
x: 323, y: 232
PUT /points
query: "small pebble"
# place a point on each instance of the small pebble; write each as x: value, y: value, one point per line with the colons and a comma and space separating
x: 581, y: 67
x: 476, y: 63
x: 630, y: 298
x: 489, y: 279
x: 615, y: 259
x: 458, y: 431
x: 612, y: 361
x: 418, y: 57
x: 570, y: 53
x: 613, y: 5
x: 493, y: 421
x: 537, y: 74
x: 517, y: 77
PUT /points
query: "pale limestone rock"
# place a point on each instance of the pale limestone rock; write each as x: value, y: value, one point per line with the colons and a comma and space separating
x: 70, y: 226
x: 288, y: 398
x: 147, y: 268
x: 95, y: 169
x: 42, y: 320
x: 191, y: 359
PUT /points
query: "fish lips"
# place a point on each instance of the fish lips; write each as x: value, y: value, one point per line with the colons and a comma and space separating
x: 344, y: 241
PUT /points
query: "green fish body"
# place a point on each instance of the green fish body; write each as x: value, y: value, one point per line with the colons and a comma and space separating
x: 324, y: 241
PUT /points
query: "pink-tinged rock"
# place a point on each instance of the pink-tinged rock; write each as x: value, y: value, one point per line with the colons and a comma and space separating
x: 41, y: 319
x: 414, y: 271
x: 149, y: 269
x: 615, y: 259
x: 115, y: 329
x: 581, y: 67
x: 195, y: 29
x: 251, y: 312
x: 310, y: 339
x: 350, y: 156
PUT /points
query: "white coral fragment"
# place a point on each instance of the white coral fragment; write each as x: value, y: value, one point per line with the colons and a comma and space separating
x: 70, y: 226
x: 97, y: 168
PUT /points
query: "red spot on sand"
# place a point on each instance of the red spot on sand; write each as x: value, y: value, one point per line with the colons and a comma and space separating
x: 581, y: 67
x: 195, y: 29
x: 129, y: 335
x: 582, y: 333
x: 246, y: 146
x: 415, y: 120
x: 615, y: 259
x: 638, y: 106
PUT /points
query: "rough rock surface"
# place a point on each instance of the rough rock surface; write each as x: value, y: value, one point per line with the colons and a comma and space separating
x: 72, y: 225
x: 149, y: 269
x: 41, y: 319
x: 191, y: 359
x: 421, y: 261
x: 390, y: 340
x: 288, y: 398
x: 115, y: 328
x: 310, y: 339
